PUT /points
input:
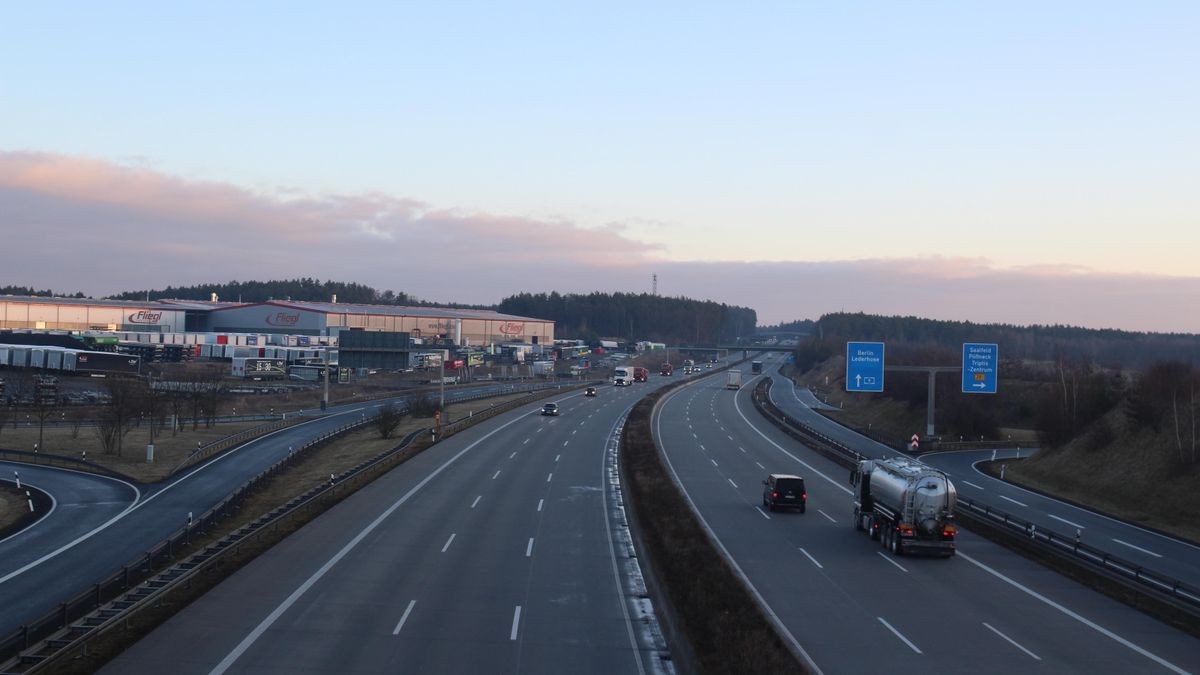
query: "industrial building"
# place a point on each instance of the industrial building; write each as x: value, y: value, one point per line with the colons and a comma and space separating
x: 464, y: 327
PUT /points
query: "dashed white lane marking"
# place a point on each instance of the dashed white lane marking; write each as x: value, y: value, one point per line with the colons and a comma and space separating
x: 448, y: 541
x: 549, y: 476
x: 404, y: 617
x: 826, y: 515
x: 729, y: 437
x: 1064, y: 520
x: 762, y: 513
x: 1012, y: 641
x: 702, y: 446
x: 516, y: 622
x: 529, y: 548
x: 977, y: 487
x: 761, y: 466
x: 565, y: 443
x: 540, y: 505
x: 1014, y: 501
x: 741, y: 448
x: 713, y: 461
x: 732, y: 483
x: 476, y: 501
x: 881, y: 555
x: 1137, y: 548
x: 897, y: 633
x: 1099, y: 629
x: 495, y: 475
x: 814, y: 560
x: 526, y: 441
x: 556, y: 457
x: 512, y: 455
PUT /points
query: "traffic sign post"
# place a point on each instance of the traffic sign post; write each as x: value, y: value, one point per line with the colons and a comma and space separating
x: 979, y: 368
x: 864, y: 366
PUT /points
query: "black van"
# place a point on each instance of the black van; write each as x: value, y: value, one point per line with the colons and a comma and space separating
x: 781, y: 490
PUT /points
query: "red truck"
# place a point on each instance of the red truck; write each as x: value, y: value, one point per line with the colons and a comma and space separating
x: 640, y: 374
x: 666, y: 369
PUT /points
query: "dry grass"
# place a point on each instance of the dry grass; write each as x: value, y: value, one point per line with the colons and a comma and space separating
x: 1135, y: 479
x: 12, y: 505
x: 726, y: 629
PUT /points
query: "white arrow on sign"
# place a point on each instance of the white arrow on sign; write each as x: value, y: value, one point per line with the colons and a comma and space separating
x: 979, y: 385
x: 858, y: 380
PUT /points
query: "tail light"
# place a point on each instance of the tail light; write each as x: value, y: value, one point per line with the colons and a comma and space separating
x: 774, y: 495
x: 905, y: 528
x: 949, y: 531
x: 803, y: 495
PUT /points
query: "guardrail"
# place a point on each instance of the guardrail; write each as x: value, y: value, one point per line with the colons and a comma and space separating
x: 112, y: 601
x: 204, y: 452
x: 62, y: 462
x: 1185, y: 595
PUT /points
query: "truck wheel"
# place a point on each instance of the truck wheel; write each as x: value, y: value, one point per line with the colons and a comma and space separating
x: 876, y: 532
x: 899, y: 544
x: 858, y: 521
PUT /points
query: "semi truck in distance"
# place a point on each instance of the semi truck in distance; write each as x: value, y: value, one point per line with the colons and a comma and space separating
x: 688, y: 366
x: 623, y: 376
x: 640, y: 374
x: 666, y: 369
x: 756, y: 367
x: 733, y: 379
x: 905, y: 505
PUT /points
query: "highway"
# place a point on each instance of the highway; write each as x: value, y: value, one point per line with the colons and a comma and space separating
x: 853, y: 608
x: 99, y: 524
x: 493, y: 551
x: 1164, y: 554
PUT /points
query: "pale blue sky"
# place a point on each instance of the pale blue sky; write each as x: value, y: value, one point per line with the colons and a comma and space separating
x: 1021, y: 133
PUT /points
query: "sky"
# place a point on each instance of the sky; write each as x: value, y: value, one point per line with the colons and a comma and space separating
x: 1018, y: 162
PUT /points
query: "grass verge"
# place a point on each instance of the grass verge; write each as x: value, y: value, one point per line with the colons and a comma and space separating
x: 725, y: 627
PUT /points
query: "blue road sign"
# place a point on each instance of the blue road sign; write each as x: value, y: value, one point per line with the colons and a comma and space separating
x: 979, y: 371
x: 864, y: 366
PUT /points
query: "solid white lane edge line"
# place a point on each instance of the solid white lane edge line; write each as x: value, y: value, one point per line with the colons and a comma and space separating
x: 495, y: 475
x: 295, y: 595
x: 556, y: 457
x: 540, y: 504
x: 814, y: 560
x: 826, y: 515
x: 761, y: 466
x: 881, y: 555
x: 732, y: 483
x: 529, y: 548
x: 549, y: 476
x: 1012, y: 641
x: 761, y: 512
x: 404, y: 617
x: 474, y: 503
x: 1100, y: 629
x: 1014, y: 501
x: 1137, y: 548
x: 516, y: 622
x: 712, y: 460
x: 1064, y: 520
x: 452, y: 535
x: 512, y: 455
x: 897, y: 633
x: 977, y: 487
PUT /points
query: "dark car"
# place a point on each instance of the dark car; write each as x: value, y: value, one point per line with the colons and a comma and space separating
x: 550, y: 409
x: 590, y: 391
x: 781, y: 490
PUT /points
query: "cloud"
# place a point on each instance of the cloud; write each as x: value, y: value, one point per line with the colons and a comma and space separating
x: 73, y: 223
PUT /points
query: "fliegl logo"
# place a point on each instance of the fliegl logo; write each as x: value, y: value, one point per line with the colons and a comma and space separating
x: 512, y: 328
x: 145, y: 316
x: 283, y: 319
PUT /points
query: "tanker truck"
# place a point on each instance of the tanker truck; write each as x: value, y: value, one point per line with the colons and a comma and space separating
x: 906, y: 505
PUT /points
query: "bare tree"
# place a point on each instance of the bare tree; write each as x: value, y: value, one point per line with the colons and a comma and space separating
x: 6, y: 412
x: 387, y: 419
x: 126, y: 394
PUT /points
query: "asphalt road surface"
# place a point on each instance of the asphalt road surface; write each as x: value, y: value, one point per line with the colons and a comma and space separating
x: 852, y: 607
x: 492, y: 551
x: 1161, y: 553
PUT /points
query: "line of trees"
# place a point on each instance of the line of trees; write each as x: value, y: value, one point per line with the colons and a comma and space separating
x: 302, y: 289
x: 635, y: 316
x: 1109, y: 348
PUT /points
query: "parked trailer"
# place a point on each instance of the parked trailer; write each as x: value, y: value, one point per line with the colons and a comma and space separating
x: 906, y: 505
